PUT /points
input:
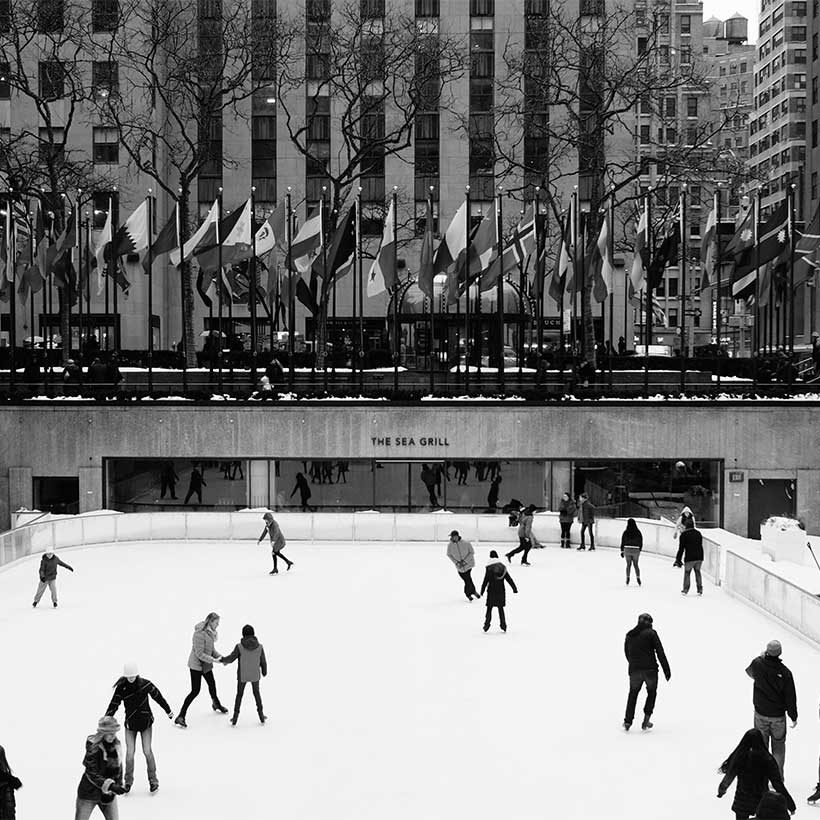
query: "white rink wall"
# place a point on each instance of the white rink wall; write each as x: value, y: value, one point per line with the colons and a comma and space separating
x: 786, y: 590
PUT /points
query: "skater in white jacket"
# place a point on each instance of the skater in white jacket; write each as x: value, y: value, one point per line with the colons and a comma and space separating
x: 461, y: 553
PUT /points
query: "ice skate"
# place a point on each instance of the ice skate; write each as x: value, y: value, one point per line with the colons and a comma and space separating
x: 647, y: 724
x: 815, y: 797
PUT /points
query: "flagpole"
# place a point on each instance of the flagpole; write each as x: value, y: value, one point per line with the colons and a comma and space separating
x: 291, y: 287
x: 717, y: 269
x: 396, y: 341
x: 89, y: 221
x: 178, y: 220
x: 333, y: 323
x: 78, y: 238
x: 322, y: 292
x: 757, y: 334
x: 355, y: 272
x: 573, y: 332
x: 49, y: 310
x: 252, y: 287
x: 561, y: 338
x: 219, y: 288
x: 150, y: 252
x: 108, y: 273
x: 431, y: 347
x: 791, y: 283
x: 682, y: 229
x: 360, y: 275
x: 539, y: 302
x: 648, y: 298
x: 114, y: 283
x: 32, y: 242
x: 500, y: 288
x: 611, y: 240
x: 11, y: 259
x: 467, y: 295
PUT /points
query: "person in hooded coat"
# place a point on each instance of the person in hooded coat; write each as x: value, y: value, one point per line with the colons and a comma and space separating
x: 48, y: 576
x: 462, y: 554
x: 277, y: 541
x: 686, y: 516
x: 133, y: 691
x: 8, y: 785
x: 495, y: 576
x: 526, y: 540
x: 102, y: 776
x: 252, y: 665
x: 201, y: 665
x: 754, y: 767
x: 641, y: 646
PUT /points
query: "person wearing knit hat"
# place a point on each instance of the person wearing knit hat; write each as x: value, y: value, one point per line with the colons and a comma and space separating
x: 772, y: 806
x: 48, y: 576
x: 773, y: 697
x: 101, y: 781
x: 462, y: 554
x: 277, y: 541
x: 133, y: 692
x: 495, y: 576
x: 251, y: 667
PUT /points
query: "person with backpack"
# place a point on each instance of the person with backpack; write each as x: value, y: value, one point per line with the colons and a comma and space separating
x: 631, y: 546
x: 8, y: 786
x: 102, y: 776
x: 643, y: 650
x: 754, y: 768
x: 133, y: 691
x: 566, y: 515
x: 462, y: 554
x: 690, y: 556
x: 277, y: 541
x: 251, y: 668
x: 495, y: 576
x: 48, y: 576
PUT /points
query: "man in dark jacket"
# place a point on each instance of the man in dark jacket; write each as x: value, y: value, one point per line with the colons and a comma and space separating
x: 586, y: 515
x: 195, y: 485
x: 494, y: 577
x: 691, y: 551
x: 252, y: 666
x: 48, y: 576
x: 168, y: 479
x: 641, y: 646
x: 774, y: 697
x: 133, y: 692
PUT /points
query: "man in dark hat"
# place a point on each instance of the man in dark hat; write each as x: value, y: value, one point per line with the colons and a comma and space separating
x: 461, y: 553
x: 641, y: 646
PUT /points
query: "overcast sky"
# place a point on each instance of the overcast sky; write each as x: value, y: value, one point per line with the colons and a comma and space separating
x: 726, y: 8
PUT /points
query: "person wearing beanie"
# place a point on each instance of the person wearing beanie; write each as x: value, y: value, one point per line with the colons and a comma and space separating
x: 102, y: 776
x: 201, y: 665
x: 495, y: 576
x: 8, y: 785
x: 251, y: 668
x: 525, y: 536
x: 773, y: 696
x: 48, y: 576
x: 462, y: 554
x: 772, y: 806
x: 133, y: 692
x: 690, y: 556
x: 643, y: 650
x: 277, y: 541
x: 586, y: 516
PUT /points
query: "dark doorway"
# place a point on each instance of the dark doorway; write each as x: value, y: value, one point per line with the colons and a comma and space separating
x: 57, y: 495
x: 767, y: 497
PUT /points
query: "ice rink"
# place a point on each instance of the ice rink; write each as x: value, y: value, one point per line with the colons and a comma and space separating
x: 385, y: 699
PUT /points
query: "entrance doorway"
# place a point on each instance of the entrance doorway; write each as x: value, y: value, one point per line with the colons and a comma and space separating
x: 767, y: 497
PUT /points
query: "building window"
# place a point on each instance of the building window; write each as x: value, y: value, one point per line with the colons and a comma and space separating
x: 52, y: 145
x: 686, y: 54
x: 814, y: 185
x: 106, y: 146
x: 5, y: 87
x: 105, y: 79
x: 644, y: 135
x: 52, y: 80
x: 50, y: 16
x: 685, y: 24
x: 642, y: 45
x: 482, y: 8
x: 102, y: 201
x: 427, y: 8
x: 691, y: 106
x: 814, y: 133
x: 798, y: 34
x: 104, y: 14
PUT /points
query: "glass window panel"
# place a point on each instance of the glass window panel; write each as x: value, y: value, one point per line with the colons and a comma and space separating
x: 334, y: 484
x: 471, y: 482
x: 392, y: 478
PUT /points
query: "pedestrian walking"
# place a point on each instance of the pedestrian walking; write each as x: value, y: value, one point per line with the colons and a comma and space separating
x: 495, y: 576
x: 586, y: 516
x: 48, y: 576
x: 686, y: 516
x: 754, y: 769
x: 168, y: 479
x: 303, y: 488
x: 566, y: 515
x: 8, y: 786
x: 251, y: 668
x: 774, y: 697
x: 631, y: 546
x: 643, y: 650
x: 492, y: 495
x: 462, y: 554
x: 690, y: 556
x: 277, y: 541
x: 200, y: 665
x: 526, y: 540
x: 195, y: 485
x: 133, y: 692
x: 102, y: 776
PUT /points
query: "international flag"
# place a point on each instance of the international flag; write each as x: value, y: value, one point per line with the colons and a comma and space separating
x: 805, y: 251
x: 666, y: 253
x: 307, y: 244
x: 193, y: 244
x: 741, y: 244
x: 342, y: 251
x: 59, y: 255
x: 708, y: 249
x: 454, y: 243
x: 132, y: 237
x: 603, y: 268
x: 167, y: 239
x: 103, y: 243
x: 383, y: 274
x: 637, y: 275
x: 516, y: 251
x: 231, y: 241
x: 563, y: 267
x: 773, y: 235
x: 483, y: 246
x: 272, y: 231
x: 427, y: 255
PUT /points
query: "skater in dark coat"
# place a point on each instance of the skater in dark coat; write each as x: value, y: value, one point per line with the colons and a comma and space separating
x: 304, y: 491
x: 48, y: 576
x: 691, y: 551
x: 102, y: 779
x: 428, y: 478
x: 195, y: 485
x: 641, y: 646
x: 774, y: 697
x: 495, y: 576
x: 586, y: 515
x: 525, y: 536
x: 754, y: 769
x: 8, y: 785
x: 462, y: 554
x: 492, y: 495
x: 201, y: 664
x: 168, y: 479
x: 566, y: 515
x: 133, y: 692
x: 277, y: 541
x: 631, y: 546
x: 252, y: 663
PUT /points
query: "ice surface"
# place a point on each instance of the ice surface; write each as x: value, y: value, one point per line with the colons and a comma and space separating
x: 384, y: 697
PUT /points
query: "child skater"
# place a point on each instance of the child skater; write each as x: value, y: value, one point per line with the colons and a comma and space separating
x: 252, y: 665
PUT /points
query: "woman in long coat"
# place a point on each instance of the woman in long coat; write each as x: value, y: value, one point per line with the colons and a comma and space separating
x: 495, y: 576
x: 277, y: 541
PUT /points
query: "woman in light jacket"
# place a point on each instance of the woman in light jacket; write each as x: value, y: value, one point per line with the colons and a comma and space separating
x: 201, y: 664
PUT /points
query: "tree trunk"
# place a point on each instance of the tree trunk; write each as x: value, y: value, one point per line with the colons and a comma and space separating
x: 186, y: 284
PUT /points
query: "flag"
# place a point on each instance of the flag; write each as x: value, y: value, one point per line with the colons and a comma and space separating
x: 637, y: 275
x: 166, y: 240
x: 132, y: 237
x: 204, y: 288
x: 58, y: 255
x: 234, y: 237
x: 563, y: 266
x: 603, y: 268
x: 741, y: 244
x: 426, y: 255
x: 454, y: 243
x: 772, y: 237
x: 515, y: 253
x: 307, y: 243
x: 666, y: 253
x: 469, y: 266
x: 805, y: 251
x: 342, y: 250
x: 383, y: 274
x: 103, y: 242
x: 273, y: 231
x: 708, y: 250
x: 196, y: 240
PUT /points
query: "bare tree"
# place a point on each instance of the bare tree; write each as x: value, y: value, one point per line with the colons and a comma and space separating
x: 187, y: 68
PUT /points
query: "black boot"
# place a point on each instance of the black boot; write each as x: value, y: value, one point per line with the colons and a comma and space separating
x: 218, y: 707
x: 815, y: 798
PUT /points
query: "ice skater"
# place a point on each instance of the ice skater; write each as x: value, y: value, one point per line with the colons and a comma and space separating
x: 754, y: 769
x: 133, y: 692
x: 8, y: 786
x: 774, y: 697
x: 641, y: 646
x: 462, y: 554
x: 252, y: 664
x: 494, y: 578
x: 48, y: 576
x: 492, y: 495
x: 631, y: 546
x: 168, y: 480
x: 525, y: 536
x: 428, y: 478
x: 686, y: 517
x: 277, y: 541
x: 566, y: 515
x: 303, y: 488
x: 201, y: 664
x: 690, y: 549
x: 195, y: 485
x: 102, y: 779
x: 586, y: 516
